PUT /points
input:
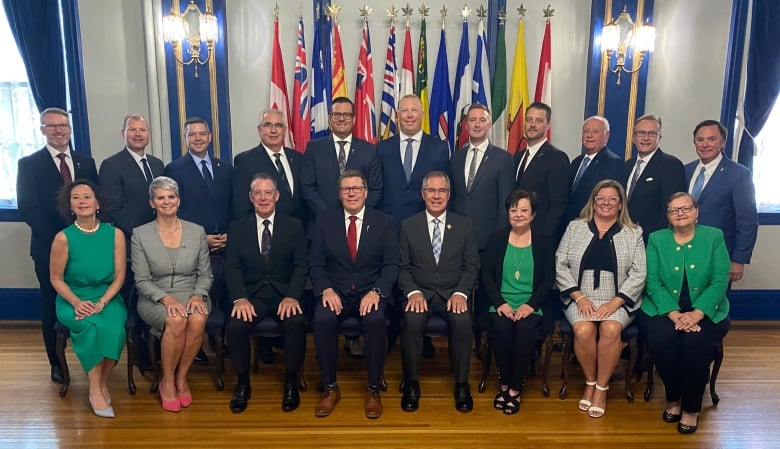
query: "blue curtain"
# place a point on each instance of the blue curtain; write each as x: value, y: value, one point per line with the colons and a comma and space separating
x: 76, y: 83
x: 734, y: 56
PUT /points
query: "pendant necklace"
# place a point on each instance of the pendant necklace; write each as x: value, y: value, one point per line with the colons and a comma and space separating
x: 517, y: 265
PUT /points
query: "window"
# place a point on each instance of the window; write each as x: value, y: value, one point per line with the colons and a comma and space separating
x: 765, y: 164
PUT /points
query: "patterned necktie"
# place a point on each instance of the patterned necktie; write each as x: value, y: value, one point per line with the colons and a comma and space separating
x: 698, y: 184
x: 282, y: 173
x: 472, y: 168
x: 342, y: 156
x: 635, y: 178
x: 436, y: 240
x: 64, y: 169
x: 352, y: 237
x: 147, y: 171
x: 580, y: 172
x: 408, y: 159
x: 265, y: 243
x: 204, y: 168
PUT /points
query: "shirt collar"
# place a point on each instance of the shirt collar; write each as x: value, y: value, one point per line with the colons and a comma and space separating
x: 359, y: 214
x: 337, y: 139
x: 271, y: 153
x: 482, y: 147
x: 533, y: 149
x: 260, y: 219
x: 54, y: 152
x: 710, y: 166
x: 417, y: 137
x: 648, y: 157
x: 198, y: 159
x: 136, y: 157
x: 442, y: 218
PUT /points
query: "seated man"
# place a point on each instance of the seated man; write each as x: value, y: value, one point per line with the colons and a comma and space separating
x: 353, y: 265
x: 439, y: 267
x: 265, y: 272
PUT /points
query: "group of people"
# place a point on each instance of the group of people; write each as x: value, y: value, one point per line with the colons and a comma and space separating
x: 390, y: 235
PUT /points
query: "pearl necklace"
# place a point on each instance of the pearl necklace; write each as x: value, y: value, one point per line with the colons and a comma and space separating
x: 171, y: 231
x: 87, y: 231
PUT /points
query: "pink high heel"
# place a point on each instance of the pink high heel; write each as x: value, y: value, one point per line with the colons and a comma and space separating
x: 185, y: 400
x: 171, y: 406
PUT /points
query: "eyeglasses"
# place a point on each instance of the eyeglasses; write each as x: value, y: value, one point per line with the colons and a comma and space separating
x: 607, y: 199
x: 269, y: 126
x: 56, y: 126
x: 432, y: 191
x: 342, y: 115
x: 647, y: 133
x: 353, y: 189
x: 683, y: 209
x: 592, y: 132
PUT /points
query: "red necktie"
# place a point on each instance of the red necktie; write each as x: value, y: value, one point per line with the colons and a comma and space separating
x: 64, y: 170
x: 352, y: 237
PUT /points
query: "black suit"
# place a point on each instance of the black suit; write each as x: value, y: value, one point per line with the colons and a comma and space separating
x: 37, y: 183
x: 256, y: 160
x: 663, y: 176
x: 605, y: 165
x: 456, y: 271
x: 265, y: 284
x: 331, y: 266
x: 199, y: 204
x: 549, y: 176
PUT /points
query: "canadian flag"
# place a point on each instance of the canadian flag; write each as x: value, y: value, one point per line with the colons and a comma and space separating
x: 543, y: 78
x: 279, y: 86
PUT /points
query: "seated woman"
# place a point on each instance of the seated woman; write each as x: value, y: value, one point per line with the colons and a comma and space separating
x: 600, y: 271
x: 173, y: 276
x: 87, y: 270
x: 685, y: 312
x: 518, y: 270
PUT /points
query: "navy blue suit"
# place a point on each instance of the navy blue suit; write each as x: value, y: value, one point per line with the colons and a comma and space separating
x: 606, y: 165
x: 728, y: 202
x: 198, y: 204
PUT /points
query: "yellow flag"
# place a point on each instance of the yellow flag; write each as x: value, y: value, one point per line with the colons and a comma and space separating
x: 518, y: 95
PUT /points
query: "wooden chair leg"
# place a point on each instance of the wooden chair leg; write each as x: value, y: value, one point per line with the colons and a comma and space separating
x: 715, y: 370
x: 548, y: 350
x: 220, y: 362
x: 60, y: 349
x: 632, y: 348
x: 152, y: 344
x: 302, y: 385
x: 487, y: 356
x: 132, y: 360
x: 565, y: 360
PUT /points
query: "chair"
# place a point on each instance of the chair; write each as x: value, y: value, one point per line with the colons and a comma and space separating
x: 351, y: 327
x: 717, y: 362
x: 270, y: 328
x: 63, y: 334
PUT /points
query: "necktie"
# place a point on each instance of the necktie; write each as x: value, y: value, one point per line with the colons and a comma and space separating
x: 472, y: 168
x: 265, y: 243
x: 698, y: 184
x: 352, y: 237
x: 204, y: 168
x: 282, y: 173
x: 342, y: 156
x: 147, y: 171
x: 408, y: 159
x: 635, y: 178
x: 521, y: 169
x: 580, y: 172
x: 64, y: 170
x: 436, y: 239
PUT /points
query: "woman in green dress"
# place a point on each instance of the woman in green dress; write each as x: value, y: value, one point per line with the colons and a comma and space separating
x: 87, y: 271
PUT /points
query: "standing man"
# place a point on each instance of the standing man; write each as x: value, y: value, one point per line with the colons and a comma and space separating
x: 439, y: 269
x: 651, y: 177
x: 725, y: 193
x: 544, y: 170
x: 353, y: 265
x: 596, y: 164
x: 40, y: 176
x: 270, y: 157
x: 265, y: 271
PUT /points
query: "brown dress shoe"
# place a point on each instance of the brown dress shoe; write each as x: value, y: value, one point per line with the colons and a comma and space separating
x: 330, y: 398
x: 373, y: 404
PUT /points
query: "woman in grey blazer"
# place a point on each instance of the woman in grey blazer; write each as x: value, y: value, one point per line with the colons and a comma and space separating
x: 173, y: 276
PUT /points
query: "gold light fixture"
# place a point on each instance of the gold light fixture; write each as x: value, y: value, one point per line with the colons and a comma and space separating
x: 194, y: 27
x: 623, y: 35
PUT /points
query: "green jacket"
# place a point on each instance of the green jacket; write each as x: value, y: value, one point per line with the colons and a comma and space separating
x: 704, y: 260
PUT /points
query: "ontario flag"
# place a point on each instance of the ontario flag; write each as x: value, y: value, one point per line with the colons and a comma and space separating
x: 462, y: 95
x: 498, y: 86
x: 279, y: 85
x: 518, y: 96
x: 441, y: 95
x: 543, y: 78
x: 388, y: 118
x: 339, y: 74
x: 365, y: 117
x: 301, y: 117
x: 406, y: 81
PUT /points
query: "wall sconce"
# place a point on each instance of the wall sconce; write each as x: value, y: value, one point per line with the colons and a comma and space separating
x: 621, y: 35
x: 192, y: 26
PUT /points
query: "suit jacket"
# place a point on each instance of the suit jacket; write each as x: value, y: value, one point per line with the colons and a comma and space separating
x: 37, y: 183
x: 728, y: 202
x: 458, y: 266
x: 256, y: 160
x: 320, y: 173
x: 663, y: 176
x: 126, y: 191
x: 198, y: 204
x: 606, y: 165
x: 376, y: 264
x: 549, y: 176
x: 705, y: 264
x: 246, y: 272
x: 402, y: 199
x: 491, y: 277
x: 484, y: 204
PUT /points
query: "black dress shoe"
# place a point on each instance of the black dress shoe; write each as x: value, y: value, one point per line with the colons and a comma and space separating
x: 291, y: 399
x: 201, y: 358
x: 429, y: 351
x: 241, y: 396
x: 56, y: 375
x: 463, y: 400
x: 410, y: 399
x: 671, y: 417
x: 686, y: 429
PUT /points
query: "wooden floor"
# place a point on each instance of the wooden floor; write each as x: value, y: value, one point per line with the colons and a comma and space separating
x: 32, y: 415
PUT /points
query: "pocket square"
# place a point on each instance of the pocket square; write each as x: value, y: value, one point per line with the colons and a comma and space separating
x: 648, y: 179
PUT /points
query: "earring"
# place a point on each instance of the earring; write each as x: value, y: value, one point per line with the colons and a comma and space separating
x: 72, y: 214
x: 97, y: 211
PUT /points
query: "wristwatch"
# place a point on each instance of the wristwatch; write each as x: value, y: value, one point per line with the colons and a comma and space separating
x: 378, y: 291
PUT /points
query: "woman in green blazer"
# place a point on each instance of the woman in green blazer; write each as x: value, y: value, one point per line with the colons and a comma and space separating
x: 685, y: 310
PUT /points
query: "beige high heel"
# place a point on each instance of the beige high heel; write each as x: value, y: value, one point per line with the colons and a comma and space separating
x: 598, y: 412
x: 585, y: 404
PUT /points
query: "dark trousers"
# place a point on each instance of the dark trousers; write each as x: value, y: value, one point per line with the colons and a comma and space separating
x: 48, y: 308
x: 461, y: 339
x: 683, y: 358
x: 326, y: 332
x: 293, y: 332
x: 513, y: 344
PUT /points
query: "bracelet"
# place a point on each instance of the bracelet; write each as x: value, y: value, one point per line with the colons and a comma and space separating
x: 577, y: 301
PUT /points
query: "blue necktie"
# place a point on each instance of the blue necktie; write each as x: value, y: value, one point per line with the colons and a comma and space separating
x: 580, y: 172
x: 698, y: 184
x: 436, y: 240
x: 147, y: 171
x: 408, y: 159
x: 204, y: 168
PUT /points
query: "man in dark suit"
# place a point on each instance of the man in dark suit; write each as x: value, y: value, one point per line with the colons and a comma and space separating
x: 596, y: 164
x: 265, y: 271
x: 40, y: 176
x: 725, y: 193
x: 353, y: 265
x: 273, y: 158
x: 651, y: 177
x: 543, y: 169
x: 439, y: 268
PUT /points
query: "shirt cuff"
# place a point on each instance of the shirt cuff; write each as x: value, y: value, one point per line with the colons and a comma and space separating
x: 465, y: 296
x: 409, y: 295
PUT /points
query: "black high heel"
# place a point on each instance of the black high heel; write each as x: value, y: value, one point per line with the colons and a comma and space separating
x: 500, y: 399
x: 512, y: 403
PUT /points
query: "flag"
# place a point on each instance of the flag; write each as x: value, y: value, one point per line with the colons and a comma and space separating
x: 480, y: 86
x: 339, y: 74
x: 322, y: 22
x: 543, y: 81
x: 279, y: 85
x: 498, y: 86
x: 441, y: 98
x: 518, y: 95
x: 319, y: 89
x: 406, y: 78
x: 461, y: 97
x: 422, y: 76
x: 389, y: 119
x: 301, y: 116
x: 365, y: 117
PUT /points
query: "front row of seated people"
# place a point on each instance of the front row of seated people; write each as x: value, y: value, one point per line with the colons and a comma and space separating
x: 601, y: 269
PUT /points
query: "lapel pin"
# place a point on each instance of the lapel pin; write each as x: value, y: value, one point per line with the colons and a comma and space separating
x: 449, y: 226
